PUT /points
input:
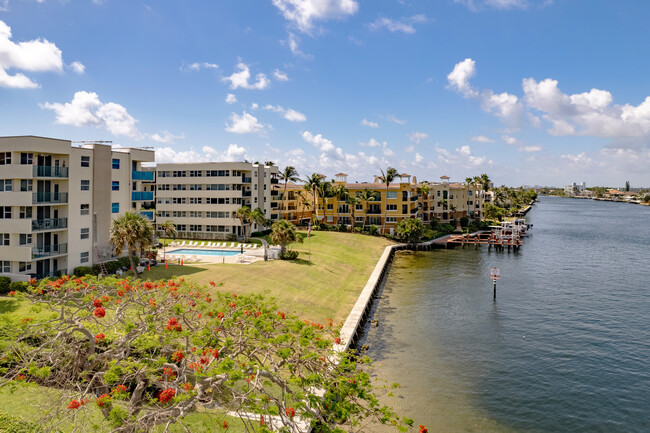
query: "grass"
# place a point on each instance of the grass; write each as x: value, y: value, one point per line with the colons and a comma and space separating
x: 325, y: 287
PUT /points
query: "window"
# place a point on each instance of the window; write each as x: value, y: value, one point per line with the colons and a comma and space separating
x: 195, y: 187
x: 391, y: 219
x: 163, y: 174
x: 84, y: 257
x: 26, y: 158
x: 221, y: 229
x: 5, y: 267
x: 115, y: 208
x: 216, y: 214
x: 179, y: 187
x: 438, y: 194
x: 358, y: 207
x: 179, y: 173
x: 85, y: 233
x: 196, y: 200
x: 179, y: 214
x: 4, y: 239
x: 178, y: 200
x: 196, y: 173
x: 181, y: 227
x: 391, y: 207
x: 405, y: 209
x: 330, y: 219
x: 469, y: 193
x: 196, y: 214
x: 391, y: 194
x: 330, y: 206
x: 85, y: 209
x: 5, y: 185
x: 24, y: 266
x: 25, y: 238
x: 115, y: 185
x: 5, y: 158
x: 85, y: 185
x: 26, y: 185
x: 196, y: 227
x: 116, y: 164
x: 215, y: 173
x: 358, y: 219
x: 163, y: 213
x: 164, y: 200
x: 85, y: 161
x: 25, y: 212
x: 5, y: 211
x: 163, y: 187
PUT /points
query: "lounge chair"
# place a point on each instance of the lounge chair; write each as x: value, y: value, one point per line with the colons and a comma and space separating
x: 219, y: 244
x: 232, y: 245
x: 210, y: 244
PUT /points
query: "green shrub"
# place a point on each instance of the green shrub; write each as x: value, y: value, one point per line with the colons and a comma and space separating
x: 5, y: 283
x: 289, y: 255
x: 373, y: 230
x: 343, y: 228
x: 358, y: 229
x: 81, y: 271
x: 464, y: 221
x: 18, y: 286
x: 13, y: 424
x: 434, y: 223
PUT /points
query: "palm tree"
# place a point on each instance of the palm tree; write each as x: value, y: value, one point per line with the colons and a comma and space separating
x: 244, y: 216
x: 289, y: 174
x: 312, y: 184
x: 304, y: 203
x: 353, y: 202
x: 131, y: 231
x: 283, y: 233
x: 423, y: 190
x: 485, y: 182
x: 324, y: 191
x: 170, y: 231
x: 257, y: 217
x: 366, y: 196
x: 340, y: 192
x: 386, y: 178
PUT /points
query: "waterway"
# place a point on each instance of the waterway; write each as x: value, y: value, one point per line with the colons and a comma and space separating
x: 565, y: 347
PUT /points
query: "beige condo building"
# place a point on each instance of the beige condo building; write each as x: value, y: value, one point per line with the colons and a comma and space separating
x: 202, y: 198
x: 57, y: 201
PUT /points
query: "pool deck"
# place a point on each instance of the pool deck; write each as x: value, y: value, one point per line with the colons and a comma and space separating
x: 250, y: 255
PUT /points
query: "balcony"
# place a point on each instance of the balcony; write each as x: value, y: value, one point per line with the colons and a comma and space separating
x: 49, y: 250
x: 414, y: 198
x: 274, y: 192
x: 49, y: 197
x: 50, y: 224
x: 413, y: 211
x: 142, y: 195
x: 54, y: 274
x: 246, y: 193
x: 274, y: 205
x: 274, y: 181
x: 142, y: 175
x: 246, y: 179
x: 372, y: 211
x: 50, y: 171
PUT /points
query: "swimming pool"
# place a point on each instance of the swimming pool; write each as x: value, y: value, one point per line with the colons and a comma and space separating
x: 200, y: 252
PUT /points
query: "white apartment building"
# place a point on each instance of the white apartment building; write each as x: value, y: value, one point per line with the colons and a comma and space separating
x: 57, y: 201
x: 202, y: 198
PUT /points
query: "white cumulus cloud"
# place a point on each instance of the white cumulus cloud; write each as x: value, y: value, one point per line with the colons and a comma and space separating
x: 304, y: 13
x: 482, y: 139
x: 289, y: 114
x: 280, y: 76
x: 231, y: 98
x: 242, y: 79
x: 197, y: 66
x: 244, y: 124
x: 416, y: 137
x: 37, y: 55
x: 366, y: 122
x: 77, y: 67
x: 459, y: 78
x: 404, y: 25
x: 166, y: 137
x: 86, y: 109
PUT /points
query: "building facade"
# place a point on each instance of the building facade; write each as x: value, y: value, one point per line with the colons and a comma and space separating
x: 202, y: 199
x: 58, y: 201
x: 373, y: 204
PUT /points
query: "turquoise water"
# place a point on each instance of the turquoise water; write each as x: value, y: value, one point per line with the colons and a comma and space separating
x: 565, y: 347
x: 200, y: 252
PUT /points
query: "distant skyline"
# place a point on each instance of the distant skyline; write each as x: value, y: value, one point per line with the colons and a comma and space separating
x: 537, y: 92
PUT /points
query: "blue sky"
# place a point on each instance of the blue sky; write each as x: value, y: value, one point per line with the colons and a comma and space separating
x: 531, y: 92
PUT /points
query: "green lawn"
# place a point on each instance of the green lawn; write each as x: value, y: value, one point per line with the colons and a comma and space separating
x: 326, y: 287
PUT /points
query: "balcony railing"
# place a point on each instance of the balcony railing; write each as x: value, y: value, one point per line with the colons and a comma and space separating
x: 54, y: 274
x: 373, y: 211
x: 246, y: 179
x: 274, y: 181
x: 49, y: 250
x: 414, y: 198
x: 142, y: 175
x: 50, y: 224
x: 274, y: 192
x: 49, y: 197
x: 246, y: 193
x: 50, y: 171
x: 142, y: 195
